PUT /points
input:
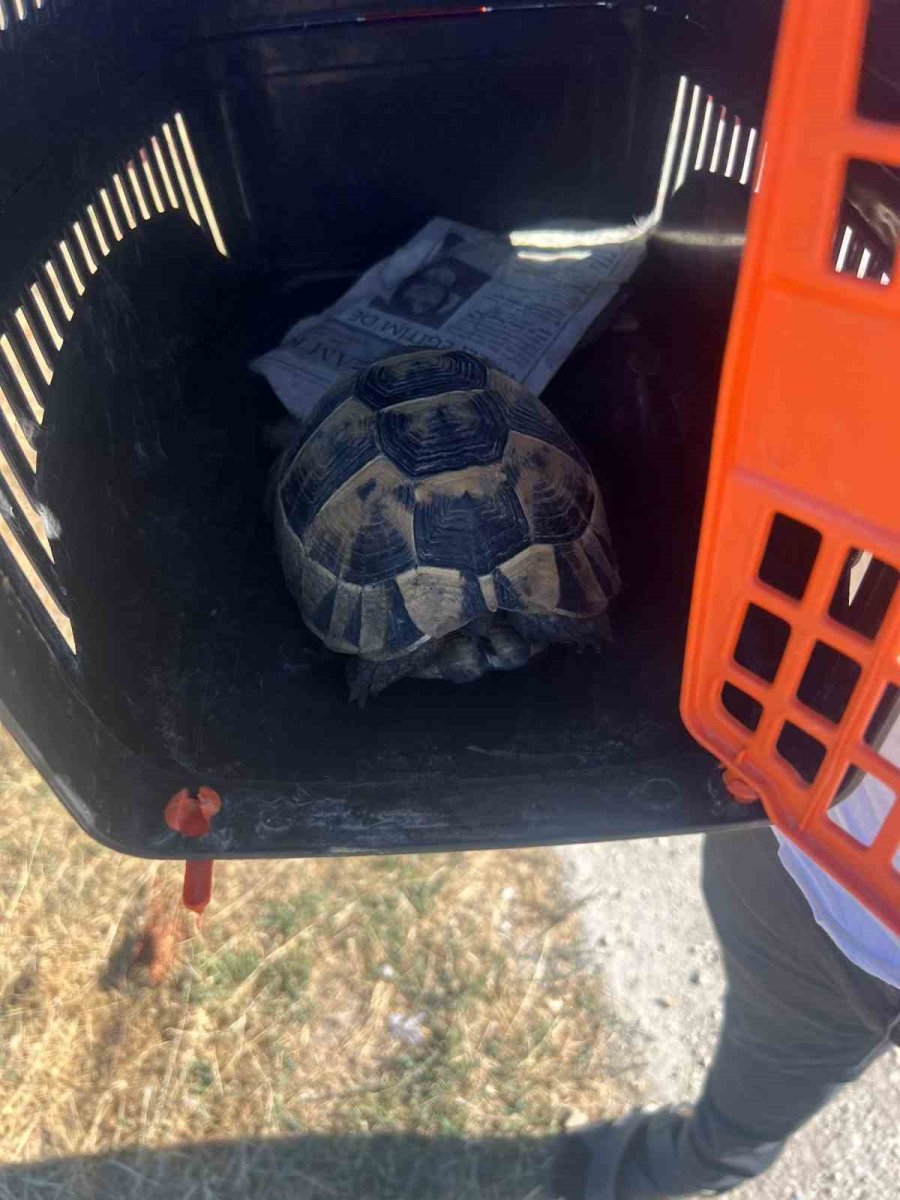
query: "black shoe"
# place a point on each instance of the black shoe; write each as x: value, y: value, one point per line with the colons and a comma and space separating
x: 586, y: 1165
x: 610, y: 1162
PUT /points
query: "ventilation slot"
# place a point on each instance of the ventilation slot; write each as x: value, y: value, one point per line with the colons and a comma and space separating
x: 24, y: 543
x: 34, y: 334
x: 164, y: 172
x: 111, y: 215
x: 124, y: 202
x: 863, y: 810
x: 30, y: 533
x: 801, y: 751
x: 56, y: 283
x: 39, y: 353
x: 745, y: 710
x: 733, y: 148
x: 180, y: 174
x: 705, y: 127
x: 858, y: 253
x: 71, y: 268
x: 710, y: 139
x: 143, y: 207
x: 134, y: 194
x: 864, y: 593
x: 879, y: 98
x: 16, y: 432
x: 790, y: 555
x: 868, y: 223
x: 87, y: 256
x: 716, y: 156
x: 883, y: 733
x: 20, y: 554
x: 99, y: 235
x: 50, y: 302
x: 14, y: 14
x: 828, y: 682
x: 762, y: 643
x: 46, y: 314
x: 199, y: 184
x: 153, y: 186
x: 15, y: 362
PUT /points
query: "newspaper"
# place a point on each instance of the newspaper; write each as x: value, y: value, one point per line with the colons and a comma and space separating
x: 521, y: 301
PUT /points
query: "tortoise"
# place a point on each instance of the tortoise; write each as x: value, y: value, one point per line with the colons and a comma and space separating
x: 434, y: 519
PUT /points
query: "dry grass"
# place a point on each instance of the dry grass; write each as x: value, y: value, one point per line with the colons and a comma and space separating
x: 439, y: 1001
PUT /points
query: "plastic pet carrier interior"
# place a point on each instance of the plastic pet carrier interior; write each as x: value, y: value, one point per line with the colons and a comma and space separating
x: 181, y: 182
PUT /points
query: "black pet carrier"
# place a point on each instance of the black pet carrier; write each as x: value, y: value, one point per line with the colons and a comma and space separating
x: 179, y: 183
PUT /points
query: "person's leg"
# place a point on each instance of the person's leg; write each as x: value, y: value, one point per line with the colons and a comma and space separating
x: 800, y: 1021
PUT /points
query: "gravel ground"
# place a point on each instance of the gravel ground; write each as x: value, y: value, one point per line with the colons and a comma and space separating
x: 647, y: 929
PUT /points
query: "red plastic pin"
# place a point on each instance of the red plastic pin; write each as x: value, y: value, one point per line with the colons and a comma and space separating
x: 191, y: 816
x: 738, y: 787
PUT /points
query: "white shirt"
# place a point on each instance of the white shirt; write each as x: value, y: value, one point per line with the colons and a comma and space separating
x: 859, y: 934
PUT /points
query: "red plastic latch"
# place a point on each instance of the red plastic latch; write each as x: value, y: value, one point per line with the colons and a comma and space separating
x: 738, y: 787
x: 191, y: 816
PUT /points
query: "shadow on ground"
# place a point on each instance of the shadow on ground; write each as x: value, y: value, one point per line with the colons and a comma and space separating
x: 378, y: 1167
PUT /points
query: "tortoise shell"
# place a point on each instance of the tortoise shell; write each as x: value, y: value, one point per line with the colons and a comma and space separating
x: 429, y: 492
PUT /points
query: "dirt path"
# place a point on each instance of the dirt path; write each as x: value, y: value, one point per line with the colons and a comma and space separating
x: 649, y: 933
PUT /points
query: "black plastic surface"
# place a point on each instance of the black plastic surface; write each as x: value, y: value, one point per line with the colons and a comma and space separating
x: 324, y: 147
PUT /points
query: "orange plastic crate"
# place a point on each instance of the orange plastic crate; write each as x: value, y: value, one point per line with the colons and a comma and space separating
x: 808, y: 428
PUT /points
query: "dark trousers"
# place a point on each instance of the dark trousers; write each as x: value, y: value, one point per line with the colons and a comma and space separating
x: 800, y: 1021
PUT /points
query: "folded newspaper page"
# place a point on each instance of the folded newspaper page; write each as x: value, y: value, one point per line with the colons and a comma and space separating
x: 522, y: 301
